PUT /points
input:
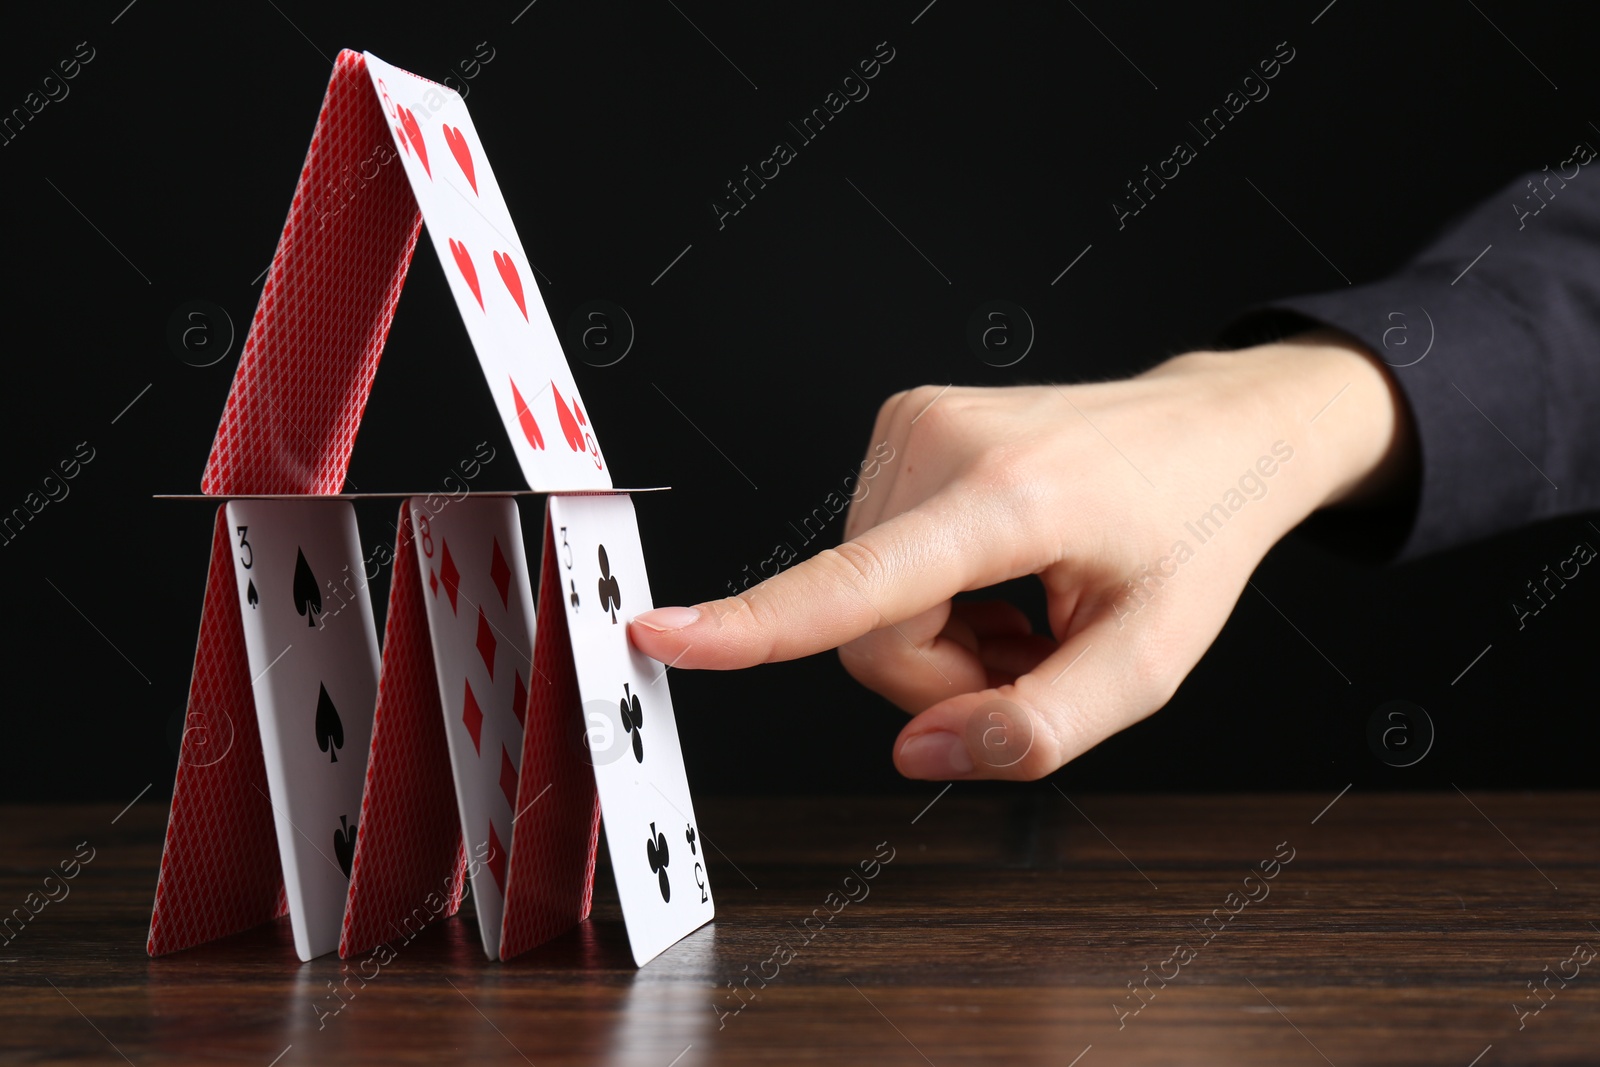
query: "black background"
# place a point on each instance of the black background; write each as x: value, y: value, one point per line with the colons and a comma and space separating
x: 995, y: 140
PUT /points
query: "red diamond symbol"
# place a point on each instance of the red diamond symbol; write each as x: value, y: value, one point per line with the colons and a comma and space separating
x: 497, y: 860
x: 486, y: 643
x: 519, y: 699
x: 472, y: 715
x: 508, y: 778
x: 500, y: 574
x: 451, y: 576
x: 433, y: 581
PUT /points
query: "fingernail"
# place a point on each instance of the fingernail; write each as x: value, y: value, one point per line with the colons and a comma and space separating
x: 936, y: 754
x: 662, y: 619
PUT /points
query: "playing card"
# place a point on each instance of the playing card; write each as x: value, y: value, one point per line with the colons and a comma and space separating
x: 479, y: 601
x: 409, y: 861
x: 313, y: 652
x: 219, y: 865
x: 651, y: 830
x: 493, y: 281
x: 550, y: 879
x: 329, y: 296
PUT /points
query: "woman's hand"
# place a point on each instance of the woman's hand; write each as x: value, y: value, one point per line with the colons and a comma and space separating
x: 1143, y: 505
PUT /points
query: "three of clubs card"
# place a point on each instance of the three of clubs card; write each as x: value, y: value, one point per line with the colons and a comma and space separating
x: 651, y: 831
x: 313, y: 653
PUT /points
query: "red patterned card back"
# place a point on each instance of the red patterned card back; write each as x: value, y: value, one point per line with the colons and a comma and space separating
x: 409, y: 860
x: 313, y: 347
x: 551, y: 878
x: 219, y: 866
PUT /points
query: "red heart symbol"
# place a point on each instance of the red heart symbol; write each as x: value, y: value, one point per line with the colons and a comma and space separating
x: 530, y: 429
x: 463, y: 154
x: 414, y: 135
x: 404, y: 142
x: 468, y: 271
x: 513, y: 280
x: 570, y: 427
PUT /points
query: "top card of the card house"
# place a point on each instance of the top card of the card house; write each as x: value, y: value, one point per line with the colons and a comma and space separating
x: 492, y: 279
x: 391, y: 151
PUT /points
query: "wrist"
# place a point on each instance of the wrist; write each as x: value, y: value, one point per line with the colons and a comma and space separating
x: 1343, y: 401
x: 1329, y: 399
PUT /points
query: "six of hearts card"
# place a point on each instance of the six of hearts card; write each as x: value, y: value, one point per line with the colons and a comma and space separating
x: 366, y: 787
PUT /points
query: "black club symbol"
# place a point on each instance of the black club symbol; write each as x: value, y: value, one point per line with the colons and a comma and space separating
x: 632, y: 720
x: 610, y: 590
x: 655, y: 851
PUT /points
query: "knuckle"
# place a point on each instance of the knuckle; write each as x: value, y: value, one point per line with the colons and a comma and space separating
x: 883, y: 662
x: 1005, y: 465
x: 854, y: 658
x: 929, y: 411
x: 749, y: 615
x: 892, y: 413
x: 895, y: 400
x: 861, y: 661
x: 1154, y: 680
x: 1009, y: 477
x: 1048, y: 750
x: 1060, y: 731
x: 857, y: 563
x: 1014, y: 506
x: 764, y: 615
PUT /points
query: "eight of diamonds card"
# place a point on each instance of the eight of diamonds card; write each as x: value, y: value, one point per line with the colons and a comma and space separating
x: 480, y: 618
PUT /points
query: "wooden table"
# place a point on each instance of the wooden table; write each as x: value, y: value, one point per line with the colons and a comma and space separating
x: 1006, y: 928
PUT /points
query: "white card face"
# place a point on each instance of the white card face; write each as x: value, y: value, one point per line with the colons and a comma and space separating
x: 651, y: 829
x: 492, y: 280
x: 313, y: 652
x: 480, y: 619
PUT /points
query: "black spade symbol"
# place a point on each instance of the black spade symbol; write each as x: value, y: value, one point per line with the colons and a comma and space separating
x: 344, y: 844
x: 307, y: 597
x: 330, y: 729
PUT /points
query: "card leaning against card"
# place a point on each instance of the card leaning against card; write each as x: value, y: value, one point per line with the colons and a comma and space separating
x: 651, y: 831
x: 313, y: 650
x: 492, y: 280
x: 530, y: 784
x: 480, y: 620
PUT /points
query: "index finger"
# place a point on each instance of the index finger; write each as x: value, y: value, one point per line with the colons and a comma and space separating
x: 889, y: 573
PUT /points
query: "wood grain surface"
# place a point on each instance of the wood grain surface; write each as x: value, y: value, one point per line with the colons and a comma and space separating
x: 1009, y: 925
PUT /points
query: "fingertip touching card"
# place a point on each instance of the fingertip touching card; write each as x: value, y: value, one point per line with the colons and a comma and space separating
x: 368, y: 789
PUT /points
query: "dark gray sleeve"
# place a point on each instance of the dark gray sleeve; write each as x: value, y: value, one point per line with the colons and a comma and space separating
x: 1492, y: 333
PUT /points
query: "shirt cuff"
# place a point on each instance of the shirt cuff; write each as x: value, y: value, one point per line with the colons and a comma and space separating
x: 1447, y: 347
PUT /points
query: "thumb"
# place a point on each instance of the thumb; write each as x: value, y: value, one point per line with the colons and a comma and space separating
x: 1100, y: 681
